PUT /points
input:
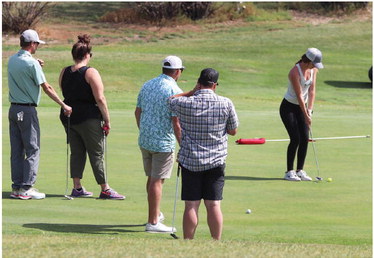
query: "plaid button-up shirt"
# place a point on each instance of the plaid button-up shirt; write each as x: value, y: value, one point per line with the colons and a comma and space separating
x: 205, y: 118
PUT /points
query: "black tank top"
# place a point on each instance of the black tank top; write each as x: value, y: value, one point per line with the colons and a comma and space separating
x: 78, y: 94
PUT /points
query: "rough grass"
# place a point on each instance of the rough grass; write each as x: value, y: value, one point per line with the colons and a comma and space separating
x: 82, y: 246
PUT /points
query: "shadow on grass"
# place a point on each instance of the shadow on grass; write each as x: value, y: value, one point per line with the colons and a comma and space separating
x: 251, y: 178
x: 85, y: 228
x: 353, y: 85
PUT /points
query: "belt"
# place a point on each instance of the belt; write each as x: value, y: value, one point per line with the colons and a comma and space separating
x: 25, y: 104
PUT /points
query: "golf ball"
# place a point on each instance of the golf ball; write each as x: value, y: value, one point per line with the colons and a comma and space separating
x: 248, y: 211
x: 329, y: 179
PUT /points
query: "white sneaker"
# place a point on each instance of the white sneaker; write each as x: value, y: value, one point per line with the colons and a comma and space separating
x: 32, y: 193
x: 303, y: 176
x: 291, y: 176
x: 159, y: 228
x: 161, y: 217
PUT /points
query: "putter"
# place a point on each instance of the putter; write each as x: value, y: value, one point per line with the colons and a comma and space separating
x: 67, y: 161
x: 318, y: 178
x: 105, y: 128
x: 175, y: 204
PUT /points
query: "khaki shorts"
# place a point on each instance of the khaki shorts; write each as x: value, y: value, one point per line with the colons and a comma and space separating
x: 157, y: 164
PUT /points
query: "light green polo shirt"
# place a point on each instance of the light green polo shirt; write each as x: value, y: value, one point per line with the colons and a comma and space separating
x: 25, y: 75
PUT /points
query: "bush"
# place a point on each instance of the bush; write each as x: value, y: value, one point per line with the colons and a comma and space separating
x: 315, y: 7
x: 158, y: 11
x: 20, y: 16
x: 197, y: 10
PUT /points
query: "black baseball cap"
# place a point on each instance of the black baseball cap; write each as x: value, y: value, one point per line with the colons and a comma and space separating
x: 208, y: 76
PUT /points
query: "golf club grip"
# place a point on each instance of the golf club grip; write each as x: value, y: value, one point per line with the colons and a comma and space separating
x: 68, y: 131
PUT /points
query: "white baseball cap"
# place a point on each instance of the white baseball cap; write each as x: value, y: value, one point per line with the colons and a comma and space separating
x: 31, y: 36
x: 172, y: 62
x: 314, y: 55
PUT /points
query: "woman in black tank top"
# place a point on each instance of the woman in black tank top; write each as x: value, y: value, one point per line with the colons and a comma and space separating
x: 89, y: 123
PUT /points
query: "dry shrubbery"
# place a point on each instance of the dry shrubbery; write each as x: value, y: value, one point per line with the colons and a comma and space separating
x: 20, y: 16
x: 160, y: 12
x: 163, y: 13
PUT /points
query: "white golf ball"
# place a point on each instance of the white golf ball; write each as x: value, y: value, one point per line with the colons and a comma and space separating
x: 248, y: 211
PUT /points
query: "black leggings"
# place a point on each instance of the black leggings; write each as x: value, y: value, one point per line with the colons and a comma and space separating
x: 294, y: 121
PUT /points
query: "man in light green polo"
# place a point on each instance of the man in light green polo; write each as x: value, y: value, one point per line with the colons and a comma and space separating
x: 25, y: 80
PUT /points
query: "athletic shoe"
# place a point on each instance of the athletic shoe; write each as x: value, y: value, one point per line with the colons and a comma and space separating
x: 81, y: 193
x: 291, y: 176
x: 161, y: 217
x: 14, y: 194
x: 303, y: 176
x: 111, y: 194
x: 159, y: 228
x: 32, y: 193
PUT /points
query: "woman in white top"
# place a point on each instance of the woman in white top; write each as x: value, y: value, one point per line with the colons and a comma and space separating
x: 297, y: 108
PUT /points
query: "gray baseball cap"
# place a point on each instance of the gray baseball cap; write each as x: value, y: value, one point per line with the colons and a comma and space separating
x: 31, y: 36
x: 314, y: 55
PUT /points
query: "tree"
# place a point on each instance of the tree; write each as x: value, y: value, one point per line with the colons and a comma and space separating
x: 20, y: 16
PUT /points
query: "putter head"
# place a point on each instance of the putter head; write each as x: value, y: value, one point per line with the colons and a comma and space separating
x: 69, y: 197
x: 174, y: 236
x: 319, y: 178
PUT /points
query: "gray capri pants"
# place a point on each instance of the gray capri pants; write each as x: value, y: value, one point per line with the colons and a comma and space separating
x: 87, y: 138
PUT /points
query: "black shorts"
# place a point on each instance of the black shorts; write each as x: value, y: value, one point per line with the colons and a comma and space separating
x: 207, y: 185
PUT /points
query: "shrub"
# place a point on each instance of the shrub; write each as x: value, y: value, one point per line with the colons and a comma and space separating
x: 20, y: 16
x: 197, y: 10
x: 158, y: 11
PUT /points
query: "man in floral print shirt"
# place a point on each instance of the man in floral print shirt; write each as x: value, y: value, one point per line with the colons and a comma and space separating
x: 158, y: 128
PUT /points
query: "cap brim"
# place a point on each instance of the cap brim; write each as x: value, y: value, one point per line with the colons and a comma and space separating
x: 318, y: 65
x: 169, y: 67
x: 41, y: 42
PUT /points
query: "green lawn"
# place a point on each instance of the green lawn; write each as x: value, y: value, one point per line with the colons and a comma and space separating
x: 288, y: 219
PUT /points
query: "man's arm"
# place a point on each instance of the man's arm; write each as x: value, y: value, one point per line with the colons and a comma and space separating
x: 177, y: 129
x: 232, y: 132
x: 50, y: 91
x: 188, y: 93
x: 138, y: 113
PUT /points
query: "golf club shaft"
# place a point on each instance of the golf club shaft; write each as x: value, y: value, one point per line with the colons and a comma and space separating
x: 175, y: 199
x: 314, y: 150
x: 67, y: 155
x: 105, y: 158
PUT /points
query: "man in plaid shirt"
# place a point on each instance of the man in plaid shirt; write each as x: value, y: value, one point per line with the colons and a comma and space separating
x: 205, y: 119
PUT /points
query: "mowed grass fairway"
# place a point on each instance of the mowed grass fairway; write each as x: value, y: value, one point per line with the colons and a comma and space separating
x: 288, y: 219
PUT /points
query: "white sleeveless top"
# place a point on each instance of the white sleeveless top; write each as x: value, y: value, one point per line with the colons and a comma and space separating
x: 290, y: 95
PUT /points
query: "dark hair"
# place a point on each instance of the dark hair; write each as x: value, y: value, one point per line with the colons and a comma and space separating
x: 81, y: 48
x: 304, y: 59
x: 23, y: 43
x: 168, y: 71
